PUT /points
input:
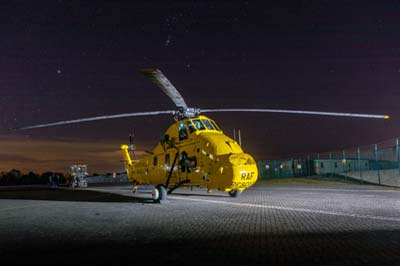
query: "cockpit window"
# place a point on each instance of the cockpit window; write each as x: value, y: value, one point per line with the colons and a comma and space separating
x: 191, y: 127
x: 197, y: 123
x: 182, y: 131
x: 215, y: 125
x: 207, y: 124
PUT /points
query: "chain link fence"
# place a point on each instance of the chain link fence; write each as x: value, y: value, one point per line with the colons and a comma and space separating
x: 372, y: 164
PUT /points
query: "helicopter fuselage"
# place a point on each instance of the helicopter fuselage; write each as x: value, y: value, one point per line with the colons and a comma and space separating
x: 194, y: 152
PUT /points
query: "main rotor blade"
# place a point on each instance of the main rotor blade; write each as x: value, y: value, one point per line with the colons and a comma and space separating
x: 295, y: 112
x: 165, y: 85
x: 104, y: 117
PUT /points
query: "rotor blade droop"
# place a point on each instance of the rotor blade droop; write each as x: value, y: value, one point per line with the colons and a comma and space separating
x: 157, y: 77
x: 296, y: 112
x: 95, y: 118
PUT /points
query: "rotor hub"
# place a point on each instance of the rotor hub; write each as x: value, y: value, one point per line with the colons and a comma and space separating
x: 183, y: 113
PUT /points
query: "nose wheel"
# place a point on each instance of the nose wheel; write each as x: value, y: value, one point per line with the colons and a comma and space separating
x: 235, y: 193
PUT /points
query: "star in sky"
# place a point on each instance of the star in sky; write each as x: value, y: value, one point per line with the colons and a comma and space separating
x: 168, y: 41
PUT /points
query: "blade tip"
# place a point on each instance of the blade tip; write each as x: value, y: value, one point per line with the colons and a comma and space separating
x: 386, y: 117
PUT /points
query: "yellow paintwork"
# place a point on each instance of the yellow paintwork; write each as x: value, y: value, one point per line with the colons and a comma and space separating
x: 220, y: 162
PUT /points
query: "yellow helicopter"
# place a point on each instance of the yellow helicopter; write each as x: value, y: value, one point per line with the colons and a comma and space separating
x: 194, y: 151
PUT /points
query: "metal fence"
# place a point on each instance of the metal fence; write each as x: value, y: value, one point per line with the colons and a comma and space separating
x: 107, y: 179
x: 377, y: 164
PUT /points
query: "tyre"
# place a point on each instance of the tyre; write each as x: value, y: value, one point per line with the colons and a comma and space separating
x: 159, y: 194
x: 235, y: 193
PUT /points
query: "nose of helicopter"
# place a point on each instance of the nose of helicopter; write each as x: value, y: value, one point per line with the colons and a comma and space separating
x: 244, y: 169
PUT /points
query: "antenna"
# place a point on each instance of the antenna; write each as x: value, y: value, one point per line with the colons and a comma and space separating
x: 131, y: 145
x: 234, y: 134
x: 240, y: 139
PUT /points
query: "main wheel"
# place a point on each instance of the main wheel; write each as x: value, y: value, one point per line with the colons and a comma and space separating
x: 235, y: 193
x: 159, y: 194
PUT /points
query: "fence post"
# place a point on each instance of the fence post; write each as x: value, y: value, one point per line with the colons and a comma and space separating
x: 397, y: 153
x: 377, y: 163
x: 359, y: 164
x: 344, y: 163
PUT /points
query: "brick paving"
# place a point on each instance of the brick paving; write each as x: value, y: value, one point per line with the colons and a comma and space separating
x: 267, y: 225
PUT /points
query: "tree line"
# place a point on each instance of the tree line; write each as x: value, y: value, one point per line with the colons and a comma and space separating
x: 15, y: 177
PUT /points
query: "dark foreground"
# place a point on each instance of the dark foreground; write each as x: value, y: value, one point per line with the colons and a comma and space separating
x: 326, y: 224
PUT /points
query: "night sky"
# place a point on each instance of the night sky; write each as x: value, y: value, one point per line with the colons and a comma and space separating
x: 63, y: 60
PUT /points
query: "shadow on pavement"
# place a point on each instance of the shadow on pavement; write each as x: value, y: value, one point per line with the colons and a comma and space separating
x: 378, y: 247
x: 194, y: 194
x: 40, y: 193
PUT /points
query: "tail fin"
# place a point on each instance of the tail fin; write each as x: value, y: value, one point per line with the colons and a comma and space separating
x: 125, y: 155
x: 127, y: 160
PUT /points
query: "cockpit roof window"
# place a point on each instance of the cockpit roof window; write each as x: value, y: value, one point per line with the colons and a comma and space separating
x: 215, y: 125
x: 191, y: 127
x: 197, y: 123
x: 207, y: 124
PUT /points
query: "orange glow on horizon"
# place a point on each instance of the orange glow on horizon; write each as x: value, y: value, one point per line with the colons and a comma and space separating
x: 42, y: 155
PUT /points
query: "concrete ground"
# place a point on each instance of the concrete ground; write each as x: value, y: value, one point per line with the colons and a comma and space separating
x: 286, y: 223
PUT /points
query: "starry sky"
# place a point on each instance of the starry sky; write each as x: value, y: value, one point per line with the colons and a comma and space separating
x: 63, y: 60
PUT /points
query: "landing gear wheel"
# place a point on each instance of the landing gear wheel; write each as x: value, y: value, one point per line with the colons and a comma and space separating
x: 235, y: 193
x: 159, y: 194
